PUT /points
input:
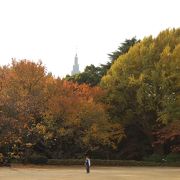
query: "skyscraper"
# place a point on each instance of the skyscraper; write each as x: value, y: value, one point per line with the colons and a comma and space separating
x: 75, y: 66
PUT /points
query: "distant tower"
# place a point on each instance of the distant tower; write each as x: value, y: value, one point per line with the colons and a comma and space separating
x: 75, y: 66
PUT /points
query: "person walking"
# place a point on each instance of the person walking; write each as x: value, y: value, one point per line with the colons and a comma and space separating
x: 87, y: 164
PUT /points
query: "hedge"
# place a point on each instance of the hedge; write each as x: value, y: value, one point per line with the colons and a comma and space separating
x: 98, y: 162
x: 37, y: 159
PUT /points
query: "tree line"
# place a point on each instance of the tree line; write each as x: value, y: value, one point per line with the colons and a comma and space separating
x: 128, y: 108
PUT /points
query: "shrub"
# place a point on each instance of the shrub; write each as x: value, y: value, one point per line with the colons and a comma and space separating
x: 37, y: 159
x: 1, y: 158
x: 173, y: 157
x: 99, y: 162
x: 154, y: 158
x: 65, y: 161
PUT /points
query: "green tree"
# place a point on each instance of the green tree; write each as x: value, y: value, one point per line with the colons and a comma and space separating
x: 143, y: 84
x: 123, y: 48
x: 92, y: 75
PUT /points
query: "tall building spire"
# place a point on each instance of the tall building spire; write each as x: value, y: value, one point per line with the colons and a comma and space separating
x: 75, y: 66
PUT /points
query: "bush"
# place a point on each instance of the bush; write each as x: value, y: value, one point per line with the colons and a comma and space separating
x: 1, y: 158
x: 99, y: 162
x: 173, y: 157
x: 37, y: 159
x: 154, y: 158
x: 65, y: 161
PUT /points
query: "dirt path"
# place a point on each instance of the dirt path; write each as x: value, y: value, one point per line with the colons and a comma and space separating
x: 97, y: 173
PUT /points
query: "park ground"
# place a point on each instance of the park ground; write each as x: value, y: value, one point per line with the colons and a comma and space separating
x: 97, y: 173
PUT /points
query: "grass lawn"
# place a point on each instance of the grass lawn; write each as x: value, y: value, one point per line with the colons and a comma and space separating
x: 29, y: 172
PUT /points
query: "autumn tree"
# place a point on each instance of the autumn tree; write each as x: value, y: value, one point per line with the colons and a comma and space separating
x: 143, y: 87
x: 23, y: 99
x: 44, y: 115
x: 74, y: 118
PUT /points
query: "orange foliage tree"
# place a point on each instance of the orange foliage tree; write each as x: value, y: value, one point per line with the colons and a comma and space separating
x: 46, y: 115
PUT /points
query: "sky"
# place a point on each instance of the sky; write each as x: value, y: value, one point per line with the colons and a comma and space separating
x: 53, y: 31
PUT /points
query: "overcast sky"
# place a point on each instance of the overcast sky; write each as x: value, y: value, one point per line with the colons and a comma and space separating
x: 54, y: 30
